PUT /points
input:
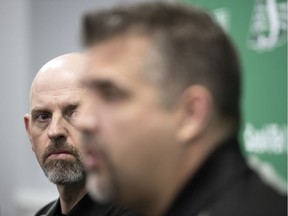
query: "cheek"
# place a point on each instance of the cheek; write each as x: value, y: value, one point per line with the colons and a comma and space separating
x: 130, y: 139
x: 124, y: 120
x: 38, y: 142
x: 121, y: 127
x: 75, y: 140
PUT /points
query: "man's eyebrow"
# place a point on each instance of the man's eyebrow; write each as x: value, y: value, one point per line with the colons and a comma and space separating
x: 71, y: 107
x: 37, y: 110
x: 67, y: 107
x: 99, y: 84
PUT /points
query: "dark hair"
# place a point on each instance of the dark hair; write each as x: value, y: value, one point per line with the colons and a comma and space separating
x: 193, y: 48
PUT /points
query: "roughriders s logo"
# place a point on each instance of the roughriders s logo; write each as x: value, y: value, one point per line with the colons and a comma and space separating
x: 268, y: 28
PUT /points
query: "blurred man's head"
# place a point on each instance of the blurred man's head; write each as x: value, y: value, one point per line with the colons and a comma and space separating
x: 164, y: 89
x: 55, y: 97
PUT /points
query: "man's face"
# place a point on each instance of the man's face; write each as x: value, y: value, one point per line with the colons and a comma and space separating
x: 55, y: 99
x: 127, y: 135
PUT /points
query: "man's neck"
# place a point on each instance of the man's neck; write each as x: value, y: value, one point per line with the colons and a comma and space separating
x: 188, y: 165
x: 70, y: 195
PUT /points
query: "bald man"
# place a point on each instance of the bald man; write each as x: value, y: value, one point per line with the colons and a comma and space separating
x: 55, y: 97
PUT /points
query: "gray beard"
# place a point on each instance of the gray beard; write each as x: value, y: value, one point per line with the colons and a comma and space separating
x: 62, y: 172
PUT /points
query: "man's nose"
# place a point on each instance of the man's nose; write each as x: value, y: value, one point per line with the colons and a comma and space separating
x: 57, y: 129
x: 87, y: 119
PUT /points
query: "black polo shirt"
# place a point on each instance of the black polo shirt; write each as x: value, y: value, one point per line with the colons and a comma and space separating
x: 85, y: 207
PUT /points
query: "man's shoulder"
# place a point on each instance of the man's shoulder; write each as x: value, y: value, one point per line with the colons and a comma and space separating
x: 250, y: 196
x: 45, y: 209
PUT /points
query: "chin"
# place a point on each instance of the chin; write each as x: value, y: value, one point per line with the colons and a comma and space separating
x: 99, y: 188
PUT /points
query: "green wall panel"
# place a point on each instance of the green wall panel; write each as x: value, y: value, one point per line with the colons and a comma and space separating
x: 259, y: 31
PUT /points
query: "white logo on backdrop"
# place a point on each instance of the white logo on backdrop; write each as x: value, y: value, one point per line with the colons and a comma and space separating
x: 268, y: 28
x: 222, y: 16
x: 270, y: 139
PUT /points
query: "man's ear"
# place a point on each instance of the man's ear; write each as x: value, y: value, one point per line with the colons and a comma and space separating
x: 27, y: 127
x: 196, y: 103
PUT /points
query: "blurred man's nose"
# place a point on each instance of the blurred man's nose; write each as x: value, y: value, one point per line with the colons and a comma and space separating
x: 86, y: 120
x: 57, y: 130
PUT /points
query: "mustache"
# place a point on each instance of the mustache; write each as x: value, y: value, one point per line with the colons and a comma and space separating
x: 62, y: 147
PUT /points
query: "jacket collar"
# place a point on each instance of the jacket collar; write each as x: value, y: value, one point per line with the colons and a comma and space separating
x: 222, y: 168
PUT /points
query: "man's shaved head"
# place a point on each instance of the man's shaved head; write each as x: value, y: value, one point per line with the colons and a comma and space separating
x: 70, y: 65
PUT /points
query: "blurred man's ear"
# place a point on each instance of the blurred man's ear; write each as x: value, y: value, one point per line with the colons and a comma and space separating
x: 196, y: 103
x: 27, y: 127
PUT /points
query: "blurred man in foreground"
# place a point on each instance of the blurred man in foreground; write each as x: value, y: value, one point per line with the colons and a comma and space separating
x: 55, y: 98
x: 160, y: 125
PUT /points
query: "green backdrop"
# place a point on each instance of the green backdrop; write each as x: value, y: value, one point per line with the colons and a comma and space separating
x: 259, y: 30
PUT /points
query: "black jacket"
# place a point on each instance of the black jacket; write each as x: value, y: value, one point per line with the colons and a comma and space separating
x: 85, y: 207
x: 226, y: 186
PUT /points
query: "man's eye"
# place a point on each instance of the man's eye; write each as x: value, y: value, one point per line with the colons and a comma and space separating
x: 113, y: 94
x: 42, y: 117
